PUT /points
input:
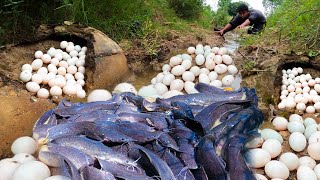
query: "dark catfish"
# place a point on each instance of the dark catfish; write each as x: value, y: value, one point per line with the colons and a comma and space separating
x: 236, y: 165
x: 206, y: 157
x: 92, y: 173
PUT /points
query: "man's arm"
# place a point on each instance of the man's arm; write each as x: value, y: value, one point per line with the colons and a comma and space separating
x: 244, y: 24
x: 226, y: 27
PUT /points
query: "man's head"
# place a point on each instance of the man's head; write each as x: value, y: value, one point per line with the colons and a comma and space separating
x: 243, y: 10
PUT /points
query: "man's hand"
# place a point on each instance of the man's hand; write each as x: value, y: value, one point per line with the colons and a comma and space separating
x: 241, y: 26
x: 221, y: 32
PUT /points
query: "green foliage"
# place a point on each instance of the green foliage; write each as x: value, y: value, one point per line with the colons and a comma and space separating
x: 221, y: 17
x: 188, y: 9
x: 233, y: 6
x: 270, y: 5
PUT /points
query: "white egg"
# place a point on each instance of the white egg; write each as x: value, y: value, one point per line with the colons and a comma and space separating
x: 23, y: 158
x: 254, y: 142
x: 306, y: 89
x: 233, y: 70
x: 195, y: 70
x: 188, y: 76
x: 292, y: 94
x: 99, y: 95
x: 298, y: 85
x: 178, y: 70
x: 257, y: 158
x: 217, y: 59
x: 213, y: 75
x: 207, y: 52
x: 221, y: 68
x: 284, y: 92
x: 77, y: 48
x: 284, y: 71
x: 71, y: 69
x: 276, y: 169
x: 80, y: 63
x: 63, y: 44
x: 148, y: 91
x: 295, y: 117
x: 25, y: 75
x: 200, y: 59
x: 260, y: 177
x: 306, y: 173
x: 82, y: 69
x: 291, y: 88
x: 125, y: 87
x: 161, y: 88
x: 69, y: 90
x: 301, y: 106
x: 299, y: 70
x: 83, y: 57
x: 203, y: 78
x: 69, y: 48
x: 297, y: 141
x: 81, y: 53
x: 199, y: 51
x: 310, y: 110
x: 216, y: 83
x: 55, y: 91
x: 81, y: 93
x: 191, y: 50
x: 316, y: 99
x: 285, y: 82
x: 189, y: 87
x: 317, y: 80
x: 271, y: 134
x: 62, y: 71
x: 186, y: 64
x: 209, y: 64
x: 227, y: 80
x: 298, y: 91
x: 314, y: 151
x: 66, y: 56
x: 63, y: 64
x: 175, y: 60
x: 307, y: 161
x: 72, y: 61
x: 7, y: 168
x: 43, y: 93
x: 215, y: 50
x: 210, y: 56
x: 171, y: 93
x: 84, y: 49
x: 26, y: 67
x: 32, y: 170
x: 177, y: 85
x: 291, y: 76
x: 310, y: 130
x: 314, y: 138
x: 81, y: 82
x: 24, y: 144
x: 309, y: 121
x: 223, y: 51
x: 308, y: 77
x: 281, y: 105
x: 296, y: 126
x: 317, y: 88
x: 199, y: 46
x: 204, y: 71
x: 79, y: 75
x: 273, y: 147
x: 36, y: 64
x: 298, y: 98
x: 167, y: 79
x: 290, y: 159
x: 304, y: 84
x: 166, y: 67
x: 311, y: 82
x: 32, y: 87
x: 288, y: 71
x: 227, y: 59
x: 38, y: 54
x: 290, y: 103
x: 48, y: 77
x: 317, y: 170
x: 207, y: 47
x: 280, y: 123
x: 46, y: 58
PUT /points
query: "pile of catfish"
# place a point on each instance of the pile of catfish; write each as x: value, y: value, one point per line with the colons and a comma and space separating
x: 193, y: 136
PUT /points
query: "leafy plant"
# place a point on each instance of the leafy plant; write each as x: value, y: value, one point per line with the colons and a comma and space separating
x: 187, y: 8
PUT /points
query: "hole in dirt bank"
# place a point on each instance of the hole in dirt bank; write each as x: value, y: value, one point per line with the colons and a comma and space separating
x: 309, y: 67
x: 70, y: 38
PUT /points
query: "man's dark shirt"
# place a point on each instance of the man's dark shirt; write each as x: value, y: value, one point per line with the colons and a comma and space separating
x: 256, y: 18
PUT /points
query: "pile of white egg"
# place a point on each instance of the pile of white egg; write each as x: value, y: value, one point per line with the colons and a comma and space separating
x: 299, y: 91
x: 23, y: 165
x: 267, y: 151
x: 200, y: 64
x: 56, y: 72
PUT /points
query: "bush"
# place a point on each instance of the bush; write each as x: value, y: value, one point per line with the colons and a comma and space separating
x: 187, y: 8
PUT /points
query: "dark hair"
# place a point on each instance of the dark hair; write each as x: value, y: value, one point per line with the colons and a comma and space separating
x: 243, y: 7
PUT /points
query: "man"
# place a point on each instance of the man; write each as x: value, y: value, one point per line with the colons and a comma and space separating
x: 246, y: 17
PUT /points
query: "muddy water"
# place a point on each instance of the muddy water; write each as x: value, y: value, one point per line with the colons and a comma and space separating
x: 231, y: 42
